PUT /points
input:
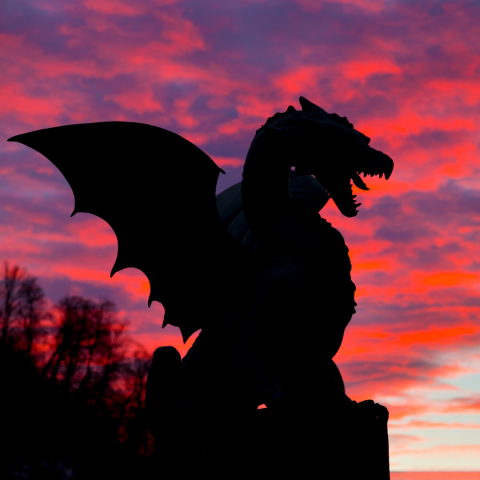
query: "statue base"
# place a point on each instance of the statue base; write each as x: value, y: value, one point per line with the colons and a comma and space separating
x: 277, y: 444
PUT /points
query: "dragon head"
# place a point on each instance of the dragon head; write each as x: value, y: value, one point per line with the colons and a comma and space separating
x: 327, y: 146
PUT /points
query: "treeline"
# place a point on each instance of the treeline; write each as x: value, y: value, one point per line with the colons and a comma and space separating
x: 72, y: 379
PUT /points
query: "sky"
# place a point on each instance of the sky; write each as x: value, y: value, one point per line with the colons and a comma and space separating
x: 405, y: 73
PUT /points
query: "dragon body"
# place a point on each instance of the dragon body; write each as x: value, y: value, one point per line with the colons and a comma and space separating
x: 267, y: 281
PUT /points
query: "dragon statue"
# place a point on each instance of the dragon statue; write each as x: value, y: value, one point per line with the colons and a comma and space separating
x: 256, y: 268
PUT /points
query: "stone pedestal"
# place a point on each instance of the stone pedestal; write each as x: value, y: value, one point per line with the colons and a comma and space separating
x: 277, y: 445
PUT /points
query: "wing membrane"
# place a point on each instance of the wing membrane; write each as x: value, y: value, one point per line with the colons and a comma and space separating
x: 157, y: 192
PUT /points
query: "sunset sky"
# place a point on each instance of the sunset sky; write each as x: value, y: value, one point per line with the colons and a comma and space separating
x: 405, y: 73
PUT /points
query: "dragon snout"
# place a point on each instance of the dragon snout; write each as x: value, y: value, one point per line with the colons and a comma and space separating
x: 376, y: 163
x: 370, y: 162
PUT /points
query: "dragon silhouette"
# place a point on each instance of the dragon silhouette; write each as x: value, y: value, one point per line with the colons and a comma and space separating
x: 256, y: 268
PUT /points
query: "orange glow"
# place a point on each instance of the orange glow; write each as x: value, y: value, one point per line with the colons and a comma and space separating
x: 450, y: 278
x: 372, y: 265
x: 437, y: 336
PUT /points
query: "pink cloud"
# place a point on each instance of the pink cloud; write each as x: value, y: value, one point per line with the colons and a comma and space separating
x: 467, y: 404
x: 429, y: 425
x: 114, y: 7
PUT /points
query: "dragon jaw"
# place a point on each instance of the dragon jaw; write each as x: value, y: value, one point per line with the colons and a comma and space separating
x: 337, y: 177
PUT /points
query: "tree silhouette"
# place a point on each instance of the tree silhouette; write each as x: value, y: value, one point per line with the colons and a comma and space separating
x: 10, y: 297
x: 87, y: 390
x: 88, y: 347
x: 32, y: 312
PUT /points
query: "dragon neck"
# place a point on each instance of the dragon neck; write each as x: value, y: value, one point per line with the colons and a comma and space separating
x: 265, y: 194
x: 265, y: 184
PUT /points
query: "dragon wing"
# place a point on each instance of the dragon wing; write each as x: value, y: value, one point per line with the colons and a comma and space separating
x: 157, y: 192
